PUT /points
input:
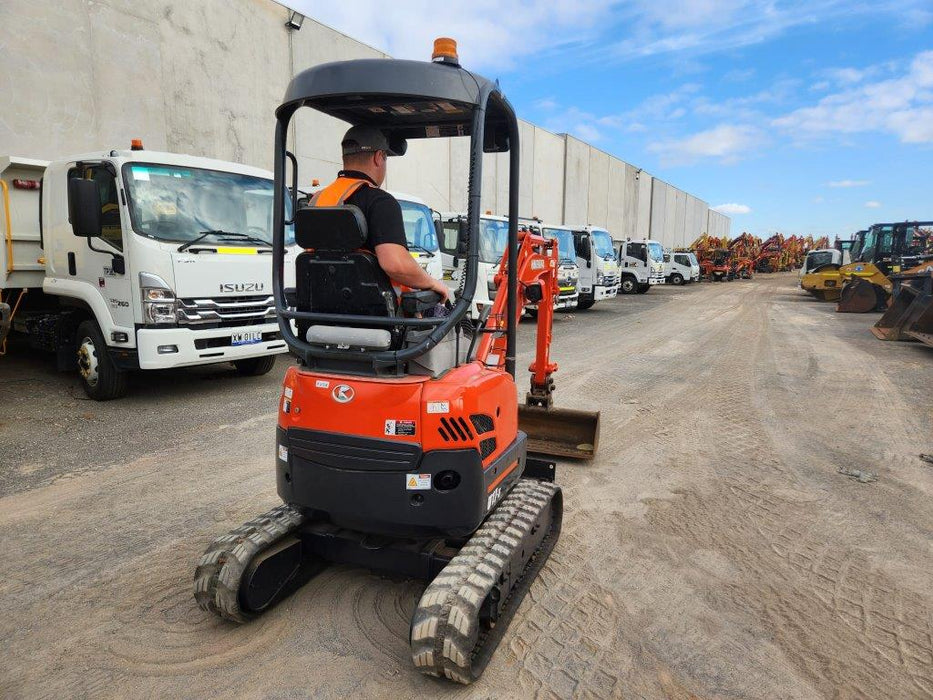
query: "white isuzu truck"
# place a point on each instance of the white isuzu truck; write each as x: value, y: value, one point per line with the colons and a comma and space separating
x: 493, y: 237
x: 641, y: 263
x: 598, y: 270
x: 138, y: 260
x: 421, y: 233
x: 680, y: 267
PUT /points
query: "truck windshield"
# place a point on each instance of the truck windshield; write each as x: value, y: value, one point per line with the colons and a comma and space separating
x: 564, y: 240
x: 175, y: 203
x: 602, y: 244
x: 656, y: 251
x: 493, y: 237
x: 419, y: 226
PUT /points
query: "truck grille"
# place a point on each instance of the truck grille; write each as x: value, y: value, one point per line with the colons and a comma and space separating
x: 610, y: 281
x: 226, y: 311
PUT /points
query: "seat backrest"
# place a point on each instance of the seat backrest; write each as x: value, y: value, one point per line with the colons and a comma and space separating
x: 335, y: 276
x: 341, y: 228
x: 343, y: 283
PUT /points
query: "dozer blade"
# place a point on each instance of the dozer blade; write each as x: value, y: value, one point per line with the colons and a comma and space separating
x: 560, y: 432
x: 859, y: 296
x: 906, y: 306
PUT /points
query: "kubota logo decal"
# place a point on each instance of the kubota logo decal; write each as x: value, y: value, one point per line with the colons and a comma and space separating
x: 342, y: 393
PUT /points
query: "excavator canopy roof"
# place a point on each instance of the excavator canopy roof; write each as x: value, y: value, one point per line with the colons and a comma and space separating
x: 406, y: 99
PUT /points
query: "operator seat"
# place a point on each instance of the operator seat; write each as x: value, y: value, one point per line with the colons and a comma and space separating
x: 335, y: 276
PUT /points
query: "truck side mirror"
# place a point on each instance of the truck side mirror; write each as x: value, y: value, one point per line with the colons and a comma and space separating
x: 462, y: 233
x: 84, y: 207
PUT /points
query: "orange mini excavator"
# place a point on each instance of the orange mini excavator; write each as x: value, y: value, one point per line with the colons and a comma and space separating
x: 401, y: 445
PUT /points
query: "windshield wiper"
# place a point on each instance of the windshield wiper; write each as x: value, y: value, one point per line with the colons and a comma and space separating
x: 219, y: 233
x: 419, y: 247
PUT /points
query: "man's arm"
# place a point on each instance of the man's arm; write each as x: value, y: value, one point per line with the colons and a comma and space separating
x: 397, y: 263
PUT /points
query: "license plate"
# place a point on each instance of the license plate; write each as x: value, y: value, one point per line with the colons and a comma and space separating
x: 246, y: 338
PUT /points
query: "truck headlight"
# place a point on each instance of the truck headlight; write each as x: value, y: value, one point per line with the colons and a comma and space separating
x: 492, y: 288
x: 159, y: 306
x: 600, y: 277
x: 159, y: 302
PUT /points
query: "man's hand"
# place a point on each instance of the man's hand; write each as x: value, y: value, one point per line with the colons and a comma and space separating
x: 441, y: 289
x: 397, y: 263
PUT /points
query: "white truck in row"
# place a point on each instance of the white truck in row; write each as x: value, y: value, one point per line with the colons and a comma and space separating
x: 137, y: 260
x: 681, y: 267
x: 642, y: 265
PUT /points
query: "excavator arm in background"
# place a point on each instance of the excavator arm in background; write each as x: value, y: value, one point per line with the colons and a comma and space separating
x: 551, y: 431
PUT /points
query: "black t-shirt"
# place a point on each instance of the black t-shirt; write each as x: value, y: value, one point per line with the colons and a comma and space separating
x: 382, y: 212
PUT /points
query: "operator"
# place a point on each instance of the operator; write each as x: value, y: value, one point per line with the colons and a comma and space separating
x: 365, y: 152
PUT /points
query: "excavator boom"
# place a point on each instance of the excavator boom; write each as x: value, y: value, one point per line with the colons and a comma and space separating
x: 555, y: 432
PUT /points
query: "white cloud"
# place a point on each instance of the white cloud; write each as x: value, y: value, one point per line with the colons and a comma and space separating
x: 546, y: 103
x: 873, y: 204
x: 733, y: 208
x: 818, y: 200
x: 490, y: 36
x: 848, y: 183
x: 902, y: 106
x: 727, y: 142
x: 697, y: 27
x: 494, y: 36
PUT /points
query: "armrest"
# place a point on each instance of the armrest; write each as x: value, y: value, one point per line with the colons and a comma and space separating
x: 420, y: 301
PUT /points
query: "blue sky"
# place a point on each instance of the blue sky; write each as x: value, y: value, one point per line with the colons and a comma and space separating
x: 800, y: 117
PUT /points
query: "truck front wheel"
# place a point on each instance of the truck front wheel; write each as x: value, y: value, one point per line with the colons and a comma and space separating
x: 101, y: 379
x: 676, y: 278
x: 629, y: 285
x: 255, y: 366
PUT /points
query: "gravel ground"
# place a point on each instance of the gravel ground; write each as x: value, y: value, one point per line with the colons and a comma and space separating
x: 711, y: 549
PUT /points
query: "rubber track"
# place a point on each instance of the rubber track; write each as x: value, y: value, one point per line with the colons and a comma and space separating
x: 446, y: 638
x: 221, y: 567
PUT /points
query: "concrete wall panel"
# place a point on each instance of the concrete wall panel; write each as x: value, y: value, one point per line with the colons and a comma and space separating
x: 597, y: 210
x: 658, y: 223
x: 576, y: 181
x: 676, y: 231
x: 547, y: 200
x: 621, y: 190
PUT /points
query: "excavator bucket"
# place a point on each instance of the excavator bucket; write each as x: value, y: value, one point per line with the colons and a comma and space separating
x: 560, y: 432
x: 860, y: 296
x: 907, y: 306
x: 921, y: 326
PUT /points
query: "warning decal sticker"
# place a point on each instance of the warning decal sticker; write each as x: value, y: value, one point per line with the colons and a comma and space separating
x: 418, y: 482
x: 400, y: 427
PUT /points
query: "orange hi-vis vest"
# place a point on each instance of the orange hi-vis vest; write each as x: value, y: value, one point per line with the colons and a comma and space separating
x: 336, y: 193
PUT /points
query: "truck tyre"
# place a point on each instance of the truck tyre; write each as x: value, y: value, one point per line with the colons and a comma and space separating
x: 585, y: 304
x: 531, y: 313
x: 629, y: 285
x: 255, y: 366
x: 676, y: 278
x: 642, y: 288
x: 101, y: 379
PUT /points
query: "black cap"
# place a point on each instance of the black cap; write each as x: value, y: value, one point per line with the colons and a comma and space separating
x: 365, y: 139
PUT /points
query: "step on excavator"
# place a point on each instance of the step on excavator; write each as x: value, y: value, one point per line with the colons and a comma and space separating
x: 401, y: 446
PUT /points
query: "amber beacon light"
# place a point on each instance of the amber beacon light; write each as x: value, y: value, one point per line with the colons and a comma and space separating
x: 445, y: 51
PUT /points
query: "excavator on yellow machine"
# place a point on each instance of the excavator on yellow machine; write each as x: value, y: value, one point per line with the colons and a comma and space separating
x: 401, y: 445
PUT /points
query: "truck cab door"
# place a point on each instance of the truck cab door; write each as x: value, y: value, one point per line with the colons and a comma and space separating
x: 96, y: 267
